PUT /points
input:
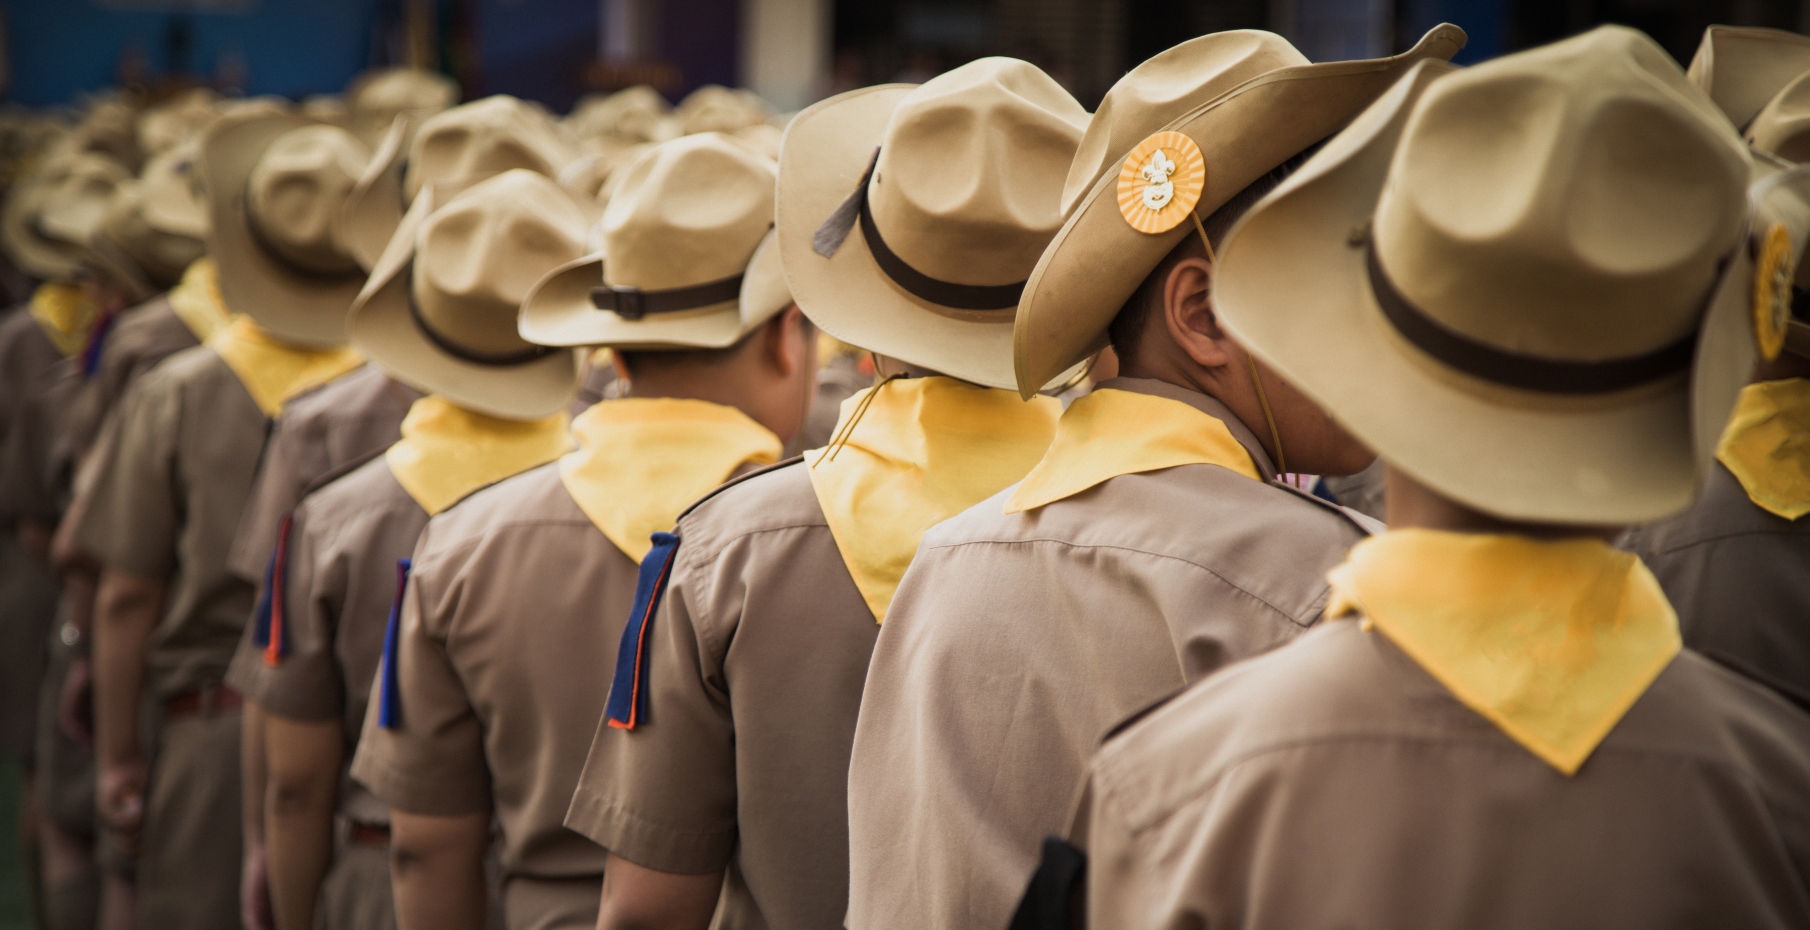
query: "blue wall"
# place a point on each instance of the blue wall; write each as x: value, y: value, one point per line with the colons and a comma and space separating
x: 59, y: 48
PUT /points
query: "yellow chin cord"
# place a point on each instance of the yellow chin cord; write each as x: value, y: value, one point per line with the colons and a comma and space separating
x: 1250, y: 362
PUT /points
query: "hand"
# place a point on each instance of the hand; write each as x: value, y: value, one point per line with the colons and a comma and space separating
x: 121, y: 802
x: 75, y: 705
x: 254, y: 889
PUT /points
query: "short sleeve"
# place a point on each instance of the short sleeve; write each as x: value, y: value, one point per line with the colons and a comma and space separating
x: 431, y: 761
x: 663, y: 795
x: 300, y: 679
x: 131, y: 521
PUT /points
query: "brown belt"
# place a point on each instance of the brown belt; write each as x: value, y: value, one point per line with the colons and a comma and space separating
x: 206, y: 700
x: 370, y: 834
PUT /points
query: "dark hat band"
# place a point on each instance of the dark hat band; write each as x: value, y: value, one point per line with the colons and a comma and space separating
x: 474, y: 356
x: 835, y: 229
x: 1514, y: 369
x: 633, y: 303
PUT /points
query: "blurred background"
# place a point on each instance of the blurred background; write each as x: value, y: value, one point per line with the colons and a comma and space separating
x: 790, y: 51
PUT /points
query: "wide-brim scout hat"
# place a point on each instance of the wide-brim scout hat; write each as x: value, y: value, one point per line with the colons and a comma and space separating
x: 173, y: 199
x: 376, y: 98
x: 1527, y: 284
x: 629, y: 114
x: 77, y: 213
x: 1741, y: 67
x: 440, y: 310
x: 128, y: 240
x: 276, y: 184
x: 910, y: 216
x: 36, y: 254
x: 175, y: 121
x: 1209, y: 117
x: 483, y: 138
x: 688, y: 258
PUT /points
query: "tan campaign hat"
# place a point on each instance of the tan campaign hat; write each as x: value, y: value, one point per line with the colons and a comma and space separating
x: 35, y: 254
x: 129, y: 239
x: 376, y: 98
x: 452, y: 150
x: 176, y: 120
x: 1741, y: 67
x: 691, y: 261
x: 910, y: 217
x: 1527, y: 284
x: 276, y: 185
x: 173, y: 199
x: 714, y: 108
x: 1218, y: 112
x: 440, y: 310
x: 76, y: 214
x: 628, y: 115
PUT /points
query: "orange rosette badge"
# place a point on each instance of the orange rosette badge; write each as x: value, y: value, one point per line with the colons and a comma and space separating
x: 1161, y: 182
x: 1775, y: 269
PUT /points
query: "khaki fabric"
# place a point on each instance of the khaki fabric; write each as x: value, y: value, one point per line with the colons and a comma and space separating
x: 27, y: 594
x: 28, y: 611
x: 552, y: 904
x: 188, y: 865
x: 141, y: 337
x: 755, y: 663
x: 1336, y: 784
x: 344, y: 544
x: 344, y: 421
x: 36, y: 383
x: 64, y: 769
x: 1025, y: 637
x: 1739, y: 578
x: 166, y: 501
x: 508, y: 631
x: 356, y: 894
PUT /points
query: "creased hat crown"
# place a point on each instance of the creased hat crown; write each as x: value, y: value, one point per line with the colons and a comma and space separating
x: 687, y: 212
x: 1586, y: 174
x: 295, y: 193
x: 477, y: 257
x: 483, y: 138
x: 965, y: 188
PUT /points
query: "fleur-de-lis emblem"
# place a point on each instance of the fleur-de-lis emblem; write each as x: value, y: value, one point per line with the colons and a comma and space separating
x: 1157, y: 188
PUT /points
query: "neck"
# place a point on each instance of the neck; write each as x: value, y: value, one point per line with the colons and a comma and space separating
x: 1411, y: 504
x: 1785, y: 366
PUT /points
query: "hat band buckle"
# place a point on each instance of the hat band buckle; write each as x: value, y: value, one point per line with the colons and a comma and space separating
x: 634, y: 304
x: 1516, y: 369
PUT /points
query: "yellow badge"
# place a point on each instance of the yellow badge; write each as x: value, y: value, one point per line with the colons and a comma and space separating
x: 1772, y: 277
x: 1161, y: 182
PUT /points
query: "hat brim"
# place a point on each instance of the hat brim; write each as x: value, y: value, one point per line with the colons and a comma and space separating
x: 1097, y: 260
x: 382, y: 328
x: 559, y: 311
x: 823, y: 156
x: 296, y: 306
x: 1293, y: 287
x: 36, y: 255
x: 374, y: 209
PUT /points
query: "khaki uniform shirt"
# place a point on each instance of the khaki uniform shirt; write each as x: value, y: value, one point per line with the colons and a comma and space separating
x: 756, y: 658
x: 140, y: 337
x: 340, y: 583
x: 508, y: 630
x: 166, y: 501
x: 1739, y: 578
x: 1017, y: 641
x: 346, y: 420
x: 1336, y: 784
x: 35, y: 384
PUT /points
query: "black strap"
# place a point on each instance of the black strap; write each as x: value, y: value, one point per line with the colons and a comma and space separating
x: 633, y: 303
x: 1515, y: 369
x: 474, y: 356
x: 830, y: 235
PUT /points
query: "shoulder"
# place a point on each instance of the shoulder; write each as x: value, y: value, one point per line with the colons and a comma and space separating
x: 777, y: 497
x: 1722, y: 511
x: 196, y: 369
x: 318, y: 406
x: 534, y: 498
x: 356, y: 495
x: 1700, y: 709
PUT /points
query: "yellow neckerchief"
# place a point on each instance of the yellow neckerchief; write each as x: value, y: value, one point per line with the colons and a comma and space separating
x: 1113, y: 432
x: 66, y: 315
x: 272, y: 371
x: 197, y: 301
x: 447, y: 452
x: 925, y: 450
x: 1767, y: 445
x: 1551, y: 641
x: 642, y: 461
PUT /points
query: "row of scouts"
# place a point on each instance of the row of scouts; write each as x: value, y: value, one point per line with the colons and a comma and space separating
x: 490, y: 628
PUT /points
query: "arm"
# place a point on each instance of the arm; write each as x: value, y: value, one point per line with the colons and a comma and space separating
x: 126, y: 611
x: 639, y: 898
x: 304, y: 760
x: 437, y: 870
x: 254, y: 882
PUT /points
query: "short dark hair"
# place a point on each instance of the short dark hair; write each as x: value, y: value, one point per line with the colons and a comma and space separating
x: 1146, y: 302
